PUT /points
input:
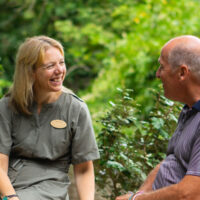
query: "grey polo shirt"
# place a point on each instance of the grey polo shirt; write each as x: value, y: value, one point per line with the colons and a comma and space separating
x: 183, y: 154
x: 40, y: 154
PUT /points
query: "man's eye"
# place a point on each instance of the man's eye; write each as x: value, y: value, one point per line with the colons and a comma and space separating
x: 62, y: 62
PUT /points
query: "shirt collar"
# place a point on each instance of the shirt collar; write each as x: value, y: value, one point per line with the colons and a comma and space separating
x: 196, y: 106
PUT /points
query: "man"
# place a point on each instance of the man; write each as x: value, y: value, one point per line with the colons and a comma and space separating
x: 178, y: 176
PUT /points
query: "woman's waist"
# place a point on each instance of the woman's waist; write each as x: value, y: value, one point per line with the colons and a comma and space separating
x: 26, y: 172
x: 17, y: 163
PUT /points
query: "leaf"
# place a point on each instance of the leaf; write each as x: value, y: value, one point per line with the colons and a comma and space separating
x: 112, y: 104
x: 157, y: 122
x: 116, y: 165
x: 164, y: 134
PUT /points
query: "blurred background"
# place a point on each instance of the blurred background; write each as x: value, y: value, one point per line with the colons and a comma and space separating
x: 111, y: 52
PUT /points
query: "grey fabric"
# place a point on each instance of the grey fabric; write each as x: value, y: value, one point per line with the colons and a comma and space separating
x: 183, y: 154
x: 40, y: 154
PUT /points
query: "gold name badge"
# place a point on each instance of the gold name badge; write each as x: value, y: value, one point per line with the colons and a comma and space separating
x: 57, y: 123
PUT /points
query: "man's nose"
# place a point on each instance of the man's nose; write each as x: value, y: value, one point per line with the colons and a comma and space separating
x: 158, y: 73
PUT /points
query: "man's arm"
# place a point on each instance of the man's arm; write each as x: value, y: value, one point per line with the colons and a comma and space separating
x: 187, y: 189
x: 146, y: 186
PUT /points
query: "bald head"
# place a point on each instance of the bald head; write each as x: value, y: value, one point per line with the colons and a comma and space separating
x: 183, y: 50
x: 185, y: 40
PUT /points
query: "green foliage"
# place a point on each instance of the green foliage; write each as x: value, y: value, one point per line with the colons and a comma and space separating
x: 140, y: 30
x: 99, y: 37
x: 108, y: 44
x: 131, y: 146
x: 79, y: 25
x: 4, y: 84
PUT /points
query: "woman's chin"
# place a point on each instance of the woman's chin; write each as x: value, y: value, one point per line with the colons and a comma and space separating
x: 56, y: 86
x: 56, y: 89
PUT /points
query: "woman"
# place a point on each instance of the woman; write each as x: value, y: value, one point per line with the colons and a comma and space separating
x: 43, y: 129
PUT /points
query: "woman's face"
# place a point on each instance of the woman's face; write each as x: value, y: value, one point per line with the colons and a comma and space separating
x: 49, y: 76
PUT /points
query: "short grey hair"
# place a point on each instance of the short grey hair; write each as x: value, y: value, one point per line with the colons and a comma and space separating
x: 184, y: 55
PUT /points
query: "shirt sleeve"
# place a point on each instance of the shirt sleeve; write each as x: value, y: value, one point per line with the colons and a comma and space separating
x: 5, y: 128
x: 194, y: 163
x: 84, y: 147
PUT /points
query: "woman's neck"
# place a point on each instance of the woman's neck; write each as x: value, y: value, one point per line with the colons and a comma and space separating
x: 42, y: 99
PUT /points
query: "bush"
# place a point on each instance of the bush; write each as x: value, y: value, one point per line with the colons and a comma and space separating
x: 4, y: 84
x: 131, y: 146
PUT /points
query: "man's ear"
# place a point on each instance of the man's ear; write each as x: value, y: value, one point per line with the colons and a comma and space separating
x: 183, y: 72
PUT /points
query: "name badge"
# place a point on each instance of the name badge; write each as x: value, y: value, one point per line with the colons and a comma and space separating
x: 57, y: 123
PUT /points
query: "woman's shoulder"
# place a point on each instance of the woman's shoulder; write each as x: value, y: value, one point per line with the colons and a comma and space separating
x: 4, y: 101
x: 5, y: 109
x: 71, y: 97
x: 72, y: 102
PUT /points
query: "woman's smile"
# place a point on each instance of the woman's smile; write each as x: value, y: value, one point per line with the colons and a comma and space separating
x: 49, y: 78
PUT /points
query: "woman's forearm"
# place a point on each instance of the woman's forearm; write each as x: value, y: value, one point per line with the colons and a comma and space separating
x: 84, y: 175
x: 6, y: 187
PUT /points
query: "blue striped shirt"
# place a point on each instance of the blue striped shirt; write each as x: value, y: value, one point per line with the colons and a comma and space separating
x: 183, y: 153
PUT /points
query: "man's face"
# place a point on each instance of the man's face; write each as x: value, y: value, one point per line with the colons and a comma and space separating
x: 169, y: 78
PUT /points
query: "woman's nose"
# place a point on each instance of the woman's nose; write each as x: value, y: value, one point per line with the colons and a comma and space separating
x: 59, y: 68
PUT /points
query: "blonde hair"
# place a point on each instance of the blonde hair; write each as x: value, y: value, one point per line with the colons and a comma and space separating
x: 30, y: 55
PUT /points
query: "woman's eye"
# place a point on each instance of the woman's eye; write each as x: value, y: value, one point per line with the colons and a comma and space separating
x: 53, y: 65
x: 50, y: 66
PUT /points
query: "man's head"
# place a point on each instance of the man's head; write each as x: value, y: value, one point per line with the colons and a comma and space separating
x: 179, y: 66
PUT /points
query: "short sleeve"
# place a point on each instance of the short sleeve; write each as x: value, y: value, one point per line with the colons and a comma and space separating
x: 5, y: 128
x: 84, y: 147
x: 194, y: 163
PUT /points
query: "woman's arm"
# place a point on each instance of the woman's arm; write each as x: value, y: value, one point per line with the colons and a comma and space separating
x: 84, y: 176
x: 6, y: 187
